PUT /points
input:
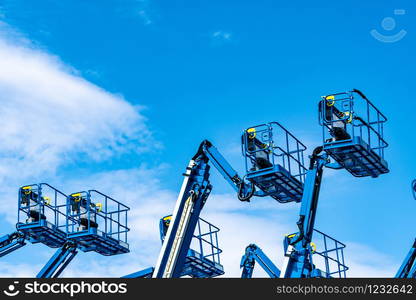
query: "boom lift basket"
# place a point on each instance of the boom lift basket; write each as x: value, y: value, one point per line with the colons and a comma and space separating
x: 329, y: 256
x: 274, y: 161
x: 353, y: 133
x: 203, y: 257
x: 325, y: 256
x: 97, y: 223
x: 42, y: 214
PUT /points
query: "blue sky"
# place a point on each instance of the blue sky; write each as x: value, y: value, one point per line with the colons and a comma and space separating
x: 183, y: 71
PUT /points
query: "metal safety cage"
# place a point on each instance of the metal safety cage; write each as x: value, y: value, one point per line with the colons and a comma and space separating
x: 328, y: 256
x: 274, y: 161
x: 203, y: 258
x: 97, y: 223
x: 353, y: 133
x: 42, y: 214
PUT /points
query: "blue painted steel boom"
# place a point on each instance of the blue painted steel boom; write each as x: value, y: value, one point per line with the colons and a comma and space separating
x: 245, y: 191
x: 298, y: 251
x: 252, y: 255
x: 59, y: 261
x: 11, y: 242
x: 194, y: 192
x: 408, y: 268
x: 146, y: 273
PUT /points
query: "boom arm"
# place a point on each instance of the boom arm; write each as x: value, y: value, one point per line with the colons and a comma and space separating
x: 245, y: 191
x: 194, y: 192
x: 146, y: 273
x: 11, y: 242
x: 255, y: 254
x: 408, y: 268
x: 298, y: 262
x: 59, y: 261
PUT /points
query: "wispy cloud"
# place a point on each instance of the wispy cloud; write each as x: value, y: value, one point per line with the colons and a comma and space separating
x: 137, y: 9
x: 221, y: 35
x: 144, y: 15
x: 51, y: 117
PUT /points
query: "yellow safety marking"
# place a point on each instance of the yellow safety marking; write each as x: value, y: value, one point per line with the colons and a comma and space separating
x: 251, y: 133
x: 290, y: 235
x: 99, y: 207
x: 330, y: 100
x: 166, y: 220
x: 47, y: 200
x: 313, y: 247
x: 347, y: 113
x: 27, y: 189
x: 77, y: 197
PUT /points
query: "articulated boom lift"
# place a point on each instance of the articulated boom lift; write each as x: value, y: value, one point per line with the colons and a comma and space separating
x: 353, y: 137
x: 408, y: 267
x: 48, y: 216
x: 94, y: 222
x: 353, y: 130
x: 270, y: 172
x: 40, y: 219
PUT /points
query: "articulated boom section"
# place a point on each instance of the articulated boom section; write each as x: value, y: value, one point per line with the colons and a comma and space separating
x: 11, y: 242
x: 59, y: 261
x: 255, y: 254
x: 408, y: 268
x: 299, y: 248
x: 414, y: 188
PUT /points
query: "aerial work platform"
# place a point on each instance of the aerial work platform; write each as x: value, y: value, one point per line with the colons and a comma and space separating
x: 42, y: 214
x: 325, y: 258
x: 203, y: 257
x: 353, y: 133
x: 97, y: 222
x: 274, y: 161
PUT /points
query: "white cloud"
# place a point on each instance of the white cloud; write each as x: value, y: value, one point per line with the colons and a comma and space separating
x: 144, y: 16
x: 50, y: 116
x: 137, y: 9
x: 222, y: 35
x: 365, y: 261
